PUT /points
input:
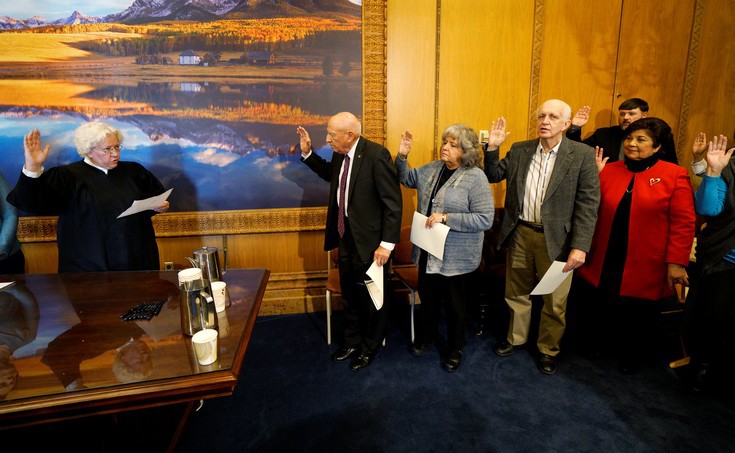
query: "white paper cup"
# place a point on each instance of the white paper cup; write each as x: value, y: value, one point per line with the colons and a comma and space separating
x: 190, y: 274
x: 205, y: 346
x: 219, y: 293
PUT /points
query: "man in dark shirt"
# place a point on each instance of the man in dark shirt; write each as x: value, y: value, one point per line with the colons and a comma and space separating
x: 610, y: 139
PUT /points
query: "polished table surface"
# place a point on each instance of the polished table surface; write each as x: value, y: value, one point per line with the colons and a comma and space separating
x: 63, y: 331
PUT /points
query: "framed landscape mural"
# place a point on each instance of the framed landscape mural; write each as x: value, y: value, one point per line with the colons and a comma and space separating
x: 208, y: 100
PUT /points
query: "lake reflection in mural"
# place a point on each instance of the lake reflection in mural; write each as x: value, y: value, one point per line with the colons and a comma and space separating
x: 210, y: 107
x: 227, y: 156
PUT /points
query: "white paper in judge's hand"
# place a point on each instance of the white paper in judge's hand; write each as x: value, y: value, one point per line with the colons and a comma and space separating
x: 5, y: 284
x: 144, y: 205
x: 551, y: 279
x: 430, y: 239
x: 375, y: 285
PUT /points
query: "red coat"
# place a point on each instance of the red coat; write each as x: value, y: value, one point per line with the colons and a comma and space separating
x: 661, y: 228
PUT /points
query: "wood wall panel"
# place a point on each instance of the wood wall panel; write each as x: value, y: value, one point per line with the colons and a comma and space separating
x: 578, y: 60
x: 411, y: 68
x: 290, y: 253
x: 41, y: 257
x: 485, y: 63
x: 176, y: 249
x: 278, y: 252
x: 654, y: 43
x: 710, y: 104
x: 485, y: 67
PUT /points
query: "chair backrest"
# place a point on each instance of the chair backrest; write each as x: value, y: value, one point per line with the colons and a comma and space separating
x: 333, y: 259
x: 402, y: 252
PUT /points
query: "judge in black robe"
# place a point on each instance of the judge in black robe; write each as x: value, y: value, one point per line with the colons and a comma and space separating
x: 88, y: 196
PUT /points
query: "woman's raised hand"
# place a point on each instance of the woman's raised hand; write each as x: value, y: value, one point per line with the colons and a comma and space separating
x: 717, y: 155
x: 406, y: 141
x: 599, y: 160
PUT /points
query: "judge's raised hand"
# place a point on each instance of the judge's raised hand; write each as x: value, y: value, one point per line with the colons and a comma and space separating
x: 599, y: 160
x: 699, y: 147
x: 304, y: 140
x: 406, y: 141
x: 35, y: 154
x: 717, y: 155
x: 582, y: 116
x: 497, y: 134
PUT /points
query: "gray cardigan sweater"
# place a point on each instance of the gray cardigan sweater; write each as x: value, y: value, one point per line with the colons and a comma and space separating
x: 467, y: 200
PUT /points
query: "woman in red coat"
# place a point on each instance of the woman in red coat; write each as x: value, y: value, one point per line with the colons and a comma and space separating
x: 643, y: 238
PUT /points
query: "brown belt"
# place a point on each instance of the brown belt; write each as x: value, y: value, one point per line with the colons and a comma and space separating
x: 533, y: 226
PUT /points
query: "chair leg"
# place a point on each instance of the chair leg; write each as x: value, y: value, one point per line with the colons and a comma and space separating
x: 413, y: 305
x: 329, y: 317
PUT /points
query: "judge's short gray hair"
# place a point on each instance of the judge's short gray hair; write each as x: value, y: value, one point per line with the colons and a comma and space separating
x: 89, y: 135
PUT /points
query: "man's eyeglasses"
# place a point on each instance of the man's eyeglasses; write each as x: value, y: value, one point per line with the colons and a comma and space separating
x: 109, y: 150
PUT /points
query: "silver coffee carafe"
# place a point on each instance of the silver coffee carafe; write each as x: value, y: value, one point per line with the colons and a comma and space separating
x: 196, y: 306
x: 207, y: 259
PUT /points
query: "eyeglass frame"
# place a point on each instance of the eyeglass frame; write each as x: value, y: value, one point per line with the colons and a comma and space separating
x: 107, y: 151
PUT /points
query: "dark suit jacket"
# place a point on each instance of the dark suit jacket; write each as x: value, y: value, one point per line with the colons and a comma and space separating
x: 375, y: 202
x: 569, y: 209
x: 611, y: 138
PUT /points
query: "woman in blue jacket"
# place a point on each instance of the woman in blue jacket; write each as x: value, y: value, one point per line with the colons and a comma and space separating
x: 452, y: 190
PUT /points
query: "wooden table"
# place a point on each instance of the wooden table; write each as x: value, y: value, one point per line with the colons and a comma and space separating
x: 65, y: 329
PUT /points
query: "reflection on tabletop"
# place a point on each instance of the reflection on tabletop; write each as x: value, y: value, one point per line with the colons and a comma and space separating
x: 65, y: 332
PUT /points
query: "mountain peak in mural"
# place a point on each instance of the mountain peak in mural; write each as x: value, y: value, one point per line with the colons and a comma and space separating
x: 173, y: 9
x: 148, y: 10
x: 9, y: 23
x: 201, y: 10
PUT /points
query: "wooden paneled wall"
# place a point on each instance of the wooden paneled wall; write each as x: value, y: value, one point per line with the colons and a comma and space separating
x: 503, y: 58
x: 472, y: 61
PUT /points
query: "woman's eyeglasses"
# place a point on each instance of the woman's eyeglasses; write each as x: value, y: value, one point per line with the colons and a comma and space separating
x: 110, y: 149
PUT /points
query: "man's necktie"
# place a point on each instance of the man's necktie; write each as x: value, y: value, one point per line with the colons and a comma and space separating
x: 342, y: 190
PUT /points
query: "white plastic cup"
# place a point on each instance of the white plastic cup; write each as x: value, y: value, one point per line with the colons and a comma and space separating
x: 205, y: 346
x: 190, y: 274
x: 219, y: 293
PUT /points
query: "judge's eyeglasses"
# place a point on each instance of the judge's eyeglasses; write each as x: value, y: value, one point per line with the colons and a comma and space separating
x: 110, y: 149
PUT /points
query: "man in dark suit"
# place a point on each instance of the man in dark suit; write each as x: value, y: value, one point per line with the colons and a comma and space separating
x: 610, y: 139
x: 553, y: 192
x: 364, y: 221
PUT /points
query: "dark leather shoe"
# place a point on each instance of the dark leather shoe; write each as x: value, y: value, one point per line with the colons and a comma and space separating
x: 453, y: 362
x: 504, y: 349
x: 418, y: 349
x: 343, y: 354
x: 547, y: 364
x: 361, y: 361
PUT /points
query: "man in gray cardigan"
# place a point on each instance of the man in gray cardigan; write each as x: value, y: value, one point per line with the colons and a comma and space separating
x: 553, y: 192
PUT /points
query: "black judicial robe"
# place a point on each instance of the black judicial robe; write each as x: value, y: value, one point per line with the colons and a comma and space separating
x: 90, y: 236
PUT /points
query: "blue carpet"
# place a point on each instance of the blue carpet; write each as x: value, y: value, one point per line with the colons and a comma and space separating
x: 291, y: 397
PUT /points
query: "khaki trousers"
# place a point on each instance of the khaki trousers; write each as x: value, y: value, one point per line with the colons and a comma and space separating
x: 528, y: 260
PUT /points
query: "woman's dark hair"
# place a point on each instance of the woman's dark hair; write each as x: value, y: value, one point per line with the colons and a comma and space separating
x: 656, y: 126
